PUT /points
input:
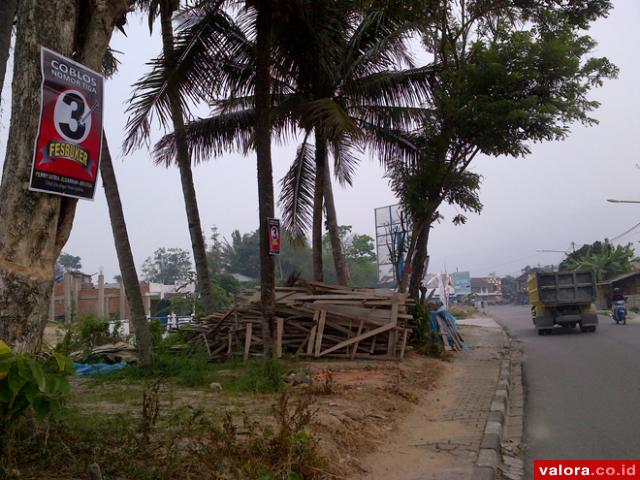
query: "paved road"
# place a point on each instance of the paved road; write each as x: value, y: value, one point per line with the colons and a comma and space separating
x: 583, y: 389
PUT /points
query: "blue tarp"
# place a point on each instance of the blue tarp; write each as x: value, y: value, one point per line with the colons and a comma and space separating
x: 450, y: 321
x: 98, y: 368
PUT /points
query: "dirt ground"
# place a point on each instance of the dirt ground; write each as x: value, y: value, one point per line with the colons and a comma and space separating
x: 358, y: 404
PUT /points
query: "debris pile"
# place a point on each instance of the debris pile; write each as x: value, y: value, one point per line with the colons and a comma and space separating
x: 313, y: 319
x: 444, y: 325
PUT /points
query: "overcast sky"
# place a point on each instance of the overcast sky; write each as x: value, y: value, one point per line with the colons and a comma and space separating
x: 555, y: 196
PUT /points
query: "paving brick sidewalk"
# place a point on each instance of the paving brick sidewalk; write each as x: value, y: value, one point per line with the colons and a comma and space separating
x: 441, y: 438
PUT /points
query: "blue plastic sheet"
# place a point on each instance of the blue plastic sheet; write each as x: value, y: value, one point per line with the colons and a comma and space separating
x: 448, y: 319
x: 98, y: 368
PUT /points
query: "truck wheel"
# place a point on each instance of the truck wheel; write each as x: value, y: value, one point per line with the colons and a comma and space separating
x: 592, y: 329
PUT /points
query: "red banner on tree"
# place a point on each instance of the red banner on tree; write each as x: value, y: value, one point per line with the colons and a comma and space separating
x: 69, y: 141
x: 273, y: 225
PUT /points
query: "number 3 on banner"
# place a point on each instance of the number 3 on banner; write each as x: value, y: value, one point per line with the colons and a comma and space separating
x: 72, y: 116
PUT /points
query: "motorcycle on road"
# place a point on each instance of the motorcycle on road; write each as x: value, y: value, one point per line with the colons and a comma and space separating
x: 619, y: 312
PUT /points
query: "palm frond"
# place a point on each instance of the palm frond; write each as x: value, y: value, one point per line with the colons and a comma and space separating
x: 391, y: 88
x: 296, y: 195
x: 334, y: 121
x: 210, y: 137
x: 205, y: 52
x: 226, y: 132
x: 345, y: 161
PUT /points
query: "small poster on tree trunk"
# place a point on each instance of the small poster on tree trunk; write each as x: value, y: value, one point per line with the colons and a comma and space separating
x: 69, y: 140
x: 273, y: 224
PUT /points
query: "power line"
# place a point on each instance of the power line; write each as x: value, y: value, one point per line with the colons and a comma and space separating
x: 626, y: 232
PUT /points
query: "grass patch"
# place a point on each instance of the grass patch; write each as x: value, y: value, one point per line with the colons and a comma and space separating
x: 262, y: 376
x: 185, y: 443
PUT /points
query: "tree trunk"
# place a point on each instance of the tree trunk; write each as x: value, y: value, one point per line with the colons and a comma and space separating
x: 419, y: 261
x: 408, y: 263
x: 125, y: 257
x: 265, y: 174
x: 35, y: 226
x: 339, y: 261
x: 186, y: 174
x: 318, y: 197
x: 7, y: 15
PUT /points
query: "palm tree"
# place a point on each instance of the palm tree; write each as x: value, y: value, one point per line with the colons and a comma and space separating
x: 125, y: 257
x: 348, y: 95
x: 205, y: 60
x: 137, y: 127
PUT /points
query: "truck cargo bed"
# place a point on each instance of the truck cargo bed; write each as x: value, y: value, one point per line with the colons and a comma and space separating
x: 562, y: 288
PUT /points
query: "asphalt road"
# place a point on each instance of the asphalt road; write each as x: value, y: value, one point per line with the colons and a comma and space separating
x: 582, y: 389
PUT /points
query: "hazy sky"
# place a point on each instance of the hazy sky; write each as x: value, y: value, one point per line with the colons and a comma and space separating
x: 555, y: 196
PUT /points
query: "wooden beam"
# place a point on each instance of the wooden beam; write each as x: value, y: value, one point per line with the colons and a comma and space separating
x: 320, y: 332
x: 247, y: 341
x: 355, y: 347
x: 279, y: 332
x: 351, y: 341
x: 404, y: 342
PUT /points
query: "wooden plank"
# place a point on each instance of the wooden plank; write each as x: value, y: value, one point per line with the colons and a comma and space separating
x: 206, y: 344
x: 393, y: 335
x: 312, y: 339
x: 359, y: 338
x: 247, y: 340
x: 355, y: 346
x: 405, y: 334
x: 320, y: 332
x: 230, y: 343
x: 279, y: 332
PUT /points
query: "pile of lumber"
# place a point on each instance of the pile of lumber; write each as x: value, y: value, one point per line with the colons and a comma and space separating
x: 444, y: 325
x: 110, y: 353
x: 313, y: 319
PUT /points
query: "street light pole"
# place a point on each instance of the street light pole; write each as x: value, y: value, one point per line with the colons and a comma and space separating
x: 613, y: 200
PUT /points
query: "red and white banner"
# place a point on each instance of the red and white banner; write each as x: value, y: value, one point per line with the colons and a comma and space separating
x: 69, y: 141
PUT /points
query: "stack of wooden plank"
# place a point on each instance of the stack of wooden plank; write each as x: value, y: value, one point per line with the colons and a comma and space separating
x: 444, y: 324
x: 314, y: 319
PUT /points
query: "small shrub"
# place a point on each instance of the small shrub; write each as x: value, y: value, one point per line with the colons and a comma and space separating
x: 28, y: 386
x: 424, y: 340
x: 635, y: 309
x: 262, y: 376
x: 86, y: 333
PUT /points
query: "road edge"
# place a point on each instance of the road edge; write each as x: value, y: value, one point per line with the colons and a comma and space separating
x: 489, y: 455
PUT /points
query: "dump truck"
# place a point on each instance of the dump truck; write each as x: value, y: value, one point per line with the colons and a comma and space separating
x: 563, y: 298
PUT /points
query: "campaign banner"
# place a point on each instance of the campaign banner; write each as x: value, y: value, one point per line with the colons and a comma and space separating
x: 273, y: 224
x: 69, y: 141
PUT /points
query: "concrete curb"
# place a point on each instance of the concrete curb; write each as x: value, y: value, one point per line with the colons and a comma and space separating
x: 489, y: 455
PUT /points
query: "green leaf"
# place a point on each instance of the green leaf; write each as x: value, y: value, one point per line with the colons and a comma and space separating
x: 61, y: 360
x: 42, y: 408
x: 5, y: 365
x: 38, y: 375
x: 16, y: 381
x: 54, y: 384
x: 31, y: 393
x: 5, y: 393
x: 4, y: 349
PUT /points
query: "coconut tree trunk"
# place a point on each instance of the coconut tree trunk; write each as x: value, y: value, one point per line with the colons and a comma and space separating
x: 7, y: 15
x: 35, y: 226
x: 265, y: 174
x: 125, y: 257
x: 339, y: 261
x: 419, y: 261
x: 186, y: 174
x: 318, y: 199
